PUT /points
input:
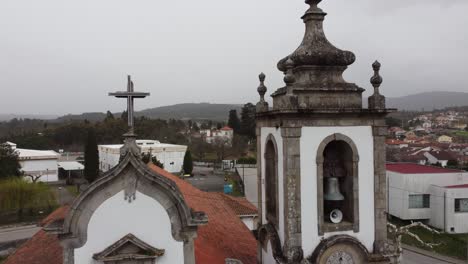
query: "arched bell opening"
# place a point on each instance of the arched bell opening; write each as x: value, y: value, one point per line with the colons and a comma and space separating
x: 337, y: 176
x: 271, y: 182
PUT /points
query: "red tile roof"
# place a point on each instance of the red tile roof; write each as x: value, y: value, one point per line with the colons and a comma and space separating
x: 240, y: 205
x: 461, y: 186
x: 225, y: 235
x: 226, y: 128
x: 410, y: 168
x: 42, y: 248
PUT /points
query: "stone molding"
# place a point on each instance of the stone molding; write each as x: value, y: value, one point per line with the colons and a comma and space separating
x: 112, y: 255
x: 322, y: 226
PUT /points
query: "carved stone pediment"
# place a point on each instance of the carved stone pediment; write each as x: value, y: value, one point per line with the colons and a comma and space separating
x: 127, y: 250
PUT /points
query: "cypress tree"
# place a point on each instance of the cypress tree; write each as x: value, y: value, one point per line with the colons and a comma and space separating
x: 188, y: 163
x: 234, y: 121
x: 91, y: 157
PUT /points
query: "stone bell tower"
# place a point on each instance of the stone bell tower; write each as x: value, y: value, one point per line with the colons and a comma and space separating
x: 321, y: 159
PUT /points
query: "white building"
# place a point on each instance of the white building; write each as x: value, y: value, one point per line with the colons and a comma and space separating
x: 417, y: 192
x: 41, y: 164
x: 172, y: 156
x: 224, y: 135
x: 452, y: 200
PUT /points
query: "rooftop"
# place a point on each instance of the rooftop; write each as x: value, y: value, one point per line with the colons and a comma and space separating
x: 146, y: 143
x: 37, y: 154
x: 461, y: 186
x: 411, y: 168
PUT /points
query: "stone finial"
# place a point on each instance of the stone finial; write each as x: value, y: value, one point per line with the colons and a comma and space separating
x: 262, y: 88
x: 289, y: 78
x: 376, y: 80
x: 376, y: 101
x: 262, y: 105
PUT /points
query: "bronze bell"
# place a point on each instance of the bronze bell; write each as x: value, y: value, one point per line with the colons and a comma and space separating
x: 332, y: 190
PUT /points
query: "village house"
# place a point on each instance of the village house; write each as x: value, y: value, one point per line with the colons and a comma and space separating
x: 223, y: 135
x: 441, y: 157
x: 444, y: 139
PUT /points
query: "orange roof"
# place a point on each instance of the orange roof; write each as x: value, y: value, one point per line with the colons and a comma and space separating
x: 225, y: 235
x: 226, y: 128
x: 42, y: 248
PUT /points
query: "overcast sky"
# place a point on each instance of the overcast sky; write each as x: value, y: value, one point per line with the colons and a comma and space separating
x: 59, y: 57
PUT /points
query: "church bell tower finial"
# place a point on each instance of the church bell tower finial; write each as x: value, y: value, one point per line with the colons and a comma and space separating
x: 262, y: 105
x: 376, y: 101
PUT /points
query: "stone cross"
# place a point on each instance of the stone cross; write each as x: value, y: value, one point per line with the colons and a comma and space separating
x: 130, y: 94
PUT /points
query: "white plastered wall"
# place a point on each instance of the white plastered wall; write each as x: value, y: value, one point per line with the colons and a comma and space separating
x: 144, y: 217
x: 276, y: 133
x: 48, y: 168
x: 456, y: 220
x: 310, y: 141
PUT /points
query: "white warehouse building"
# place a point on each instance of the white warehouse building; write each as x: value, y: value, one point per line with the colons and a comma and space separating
x: 171, y: 156
x: 38, y: 164
x: 436, y: 195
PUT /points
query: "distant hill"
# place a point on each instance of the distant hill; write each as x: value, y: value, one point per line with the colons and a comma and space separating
x: 8, y: 117
x: 218, y: 112
x: 428, y: 101
x: 93, y: 117
x: 208, y: 111
x: 201, y: 111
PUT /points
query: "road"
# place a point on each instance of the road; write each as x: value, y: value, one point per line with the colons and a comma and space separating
x: 18, y: 233
x: 205, y: 180
x: 410, y: 257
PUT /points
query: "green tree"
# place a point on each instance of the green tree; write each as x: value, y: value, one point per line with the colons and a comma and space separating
x: 146, y: 157
x: 233, y: 121
x: 124, y: 116
x: 109, y: 116
x: 393, y: 122
x: 9, y: 164
x: 452, y: 163
x: 188, y: 163
x: 195, y: 127
x: 18, y: 194
x: 247, y: 123
x: 91, y: 157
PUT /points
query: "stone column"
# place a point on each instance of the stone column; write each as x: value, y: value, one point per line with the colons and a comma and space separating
x: 292, y: 248
x: 380, y: 188
x: 258, y: 132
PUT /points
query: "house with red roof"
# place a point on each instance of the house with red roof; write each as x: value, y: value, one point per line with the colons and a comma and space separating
x: 424, y: 193
x: 223, y: 135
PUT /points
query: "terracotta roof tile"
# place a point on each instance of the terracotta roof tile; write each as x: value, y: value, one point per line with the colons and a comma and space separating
x: 42, y: 248
x: 225, y: 235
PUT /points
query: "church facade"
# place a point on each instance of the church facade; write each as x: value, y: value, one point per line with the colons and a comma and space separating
x: 321, y: 159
